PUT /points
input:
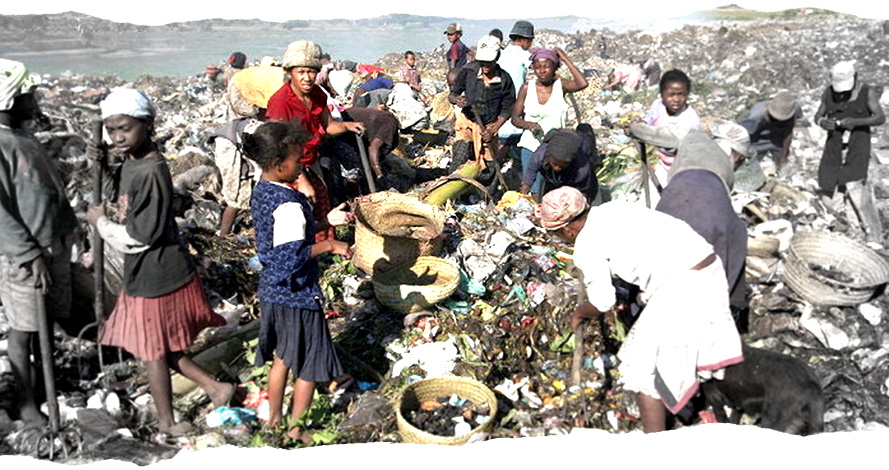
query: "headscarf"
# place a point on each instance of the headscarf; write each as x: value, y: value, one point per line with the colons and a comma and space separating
x: 129, y: 101
x: 560, y: 206
x: 561, y: 144
x: 731, y: 136
x: 541, y: 53
x: 14, y: 81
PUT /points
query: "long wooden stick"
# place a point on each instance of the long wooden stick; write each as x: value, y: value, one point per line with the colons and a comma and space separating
x: 98, y: 245
x: 577, y: 361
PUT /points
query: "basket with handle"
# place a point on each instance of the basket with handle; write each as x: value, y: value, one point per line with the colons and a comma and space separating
x: 411, y: 286
x: 392, y: 228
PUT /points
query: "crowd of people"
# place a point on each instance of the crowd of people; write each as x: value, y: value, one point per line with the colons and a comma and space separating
x: 290, y: 143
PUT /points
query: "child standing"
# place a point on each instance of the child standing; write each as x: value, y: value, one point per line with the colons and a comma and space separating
x: 162, y: 306
x: 671, y: 109
x: 293, y: 333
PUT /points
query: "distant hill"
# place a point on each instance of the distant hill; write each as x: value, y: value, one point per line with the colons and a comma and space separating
x: 73, y: 25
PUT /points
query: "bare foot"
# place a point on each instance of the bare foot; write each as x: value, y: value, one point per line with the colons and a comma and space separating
x: 176, y: 430
x: 298, y: 434
x: 30, y: 414
x: 223, y: 394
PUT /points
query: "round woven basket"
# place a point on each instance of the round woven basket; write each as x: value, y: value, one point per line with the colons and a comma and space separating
x: 393, y: 228
x: 864, y: 269
x: 433, y: 389
x: 413, y: 286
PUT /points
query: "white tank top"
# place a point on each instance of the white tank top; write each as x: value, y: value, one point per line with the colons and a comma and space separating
x: 550, y: 115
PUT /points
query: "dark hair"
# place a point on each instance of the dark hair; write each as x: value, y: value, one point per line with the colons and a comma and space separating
x: 237, y: 60
x: 452, y: 76
x: 409, y: 53
x: 325, y: 56
x: 675, y: 75
x: 268, y: 145
x: 496, y: 33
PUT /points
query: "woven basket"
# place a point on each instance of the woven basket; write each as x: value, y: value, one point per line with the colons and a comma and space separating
x: 433, y: 389
x: 393, y: 228
x: 409, y: 287
x: 865, y: 267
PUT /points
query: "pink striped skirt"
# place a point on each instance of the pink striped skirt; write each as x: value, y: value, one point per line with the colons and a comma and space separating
x: 149, y: 328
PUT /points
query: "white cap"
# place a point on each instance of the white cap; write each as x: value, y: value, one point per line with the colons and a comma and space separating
x: 842, y: 76
x: 487, y: 49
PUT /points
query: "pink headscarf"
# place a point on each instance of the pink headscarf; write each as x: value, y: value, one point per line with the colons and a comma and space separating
x: 541, y: 53
x: 560, y: 206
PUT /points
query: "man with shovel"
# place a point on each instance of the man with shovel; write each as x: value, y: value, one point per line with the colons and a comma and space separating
x: 485, y: 93
x: 37, y: 225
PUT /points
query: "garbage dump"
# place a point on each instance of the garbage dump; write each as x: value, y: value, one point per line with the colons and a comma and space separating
x: 816, y: 290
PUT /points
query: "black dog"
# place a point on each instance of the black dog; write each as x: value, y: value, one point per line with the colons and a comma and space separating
x: 783, y: 390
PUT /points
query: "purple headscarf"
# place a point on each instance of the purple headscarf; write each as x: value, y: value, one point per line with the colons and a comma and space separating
x: 541, y: 53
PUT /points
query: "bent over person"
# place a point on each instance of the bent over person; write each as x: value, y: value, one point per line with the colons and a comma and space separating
x: 686, y: 331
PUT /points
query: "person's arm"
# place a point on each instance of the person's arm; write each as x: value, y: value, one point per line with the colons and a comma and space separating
x: 507, y: 101
x: 518, y: 112
x: 785, y: 146
x: 529, y: 173
x: 876, y: 117
x: 821, y: 115
x: 577, y: 81
x: 615, y: 79
x: 373, y: 153
x: 334, y: 127
x: 330, y: 245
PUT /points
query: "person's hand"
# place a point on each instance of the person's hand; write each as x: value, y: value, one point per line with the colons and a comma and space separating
x: 341, y: 248
x: 846, y: 123
x: 828, y: 124
x: 94, y: 213
x: 561, y: 54
x: 461, y: 101
x: 40, y: 273
x: 576, y: 320
x: 583, y: 312
x: 489, y: 133
x: 96, y: 152
x: 339, y: 216
x: 305, y: 187
x: 355, y: 127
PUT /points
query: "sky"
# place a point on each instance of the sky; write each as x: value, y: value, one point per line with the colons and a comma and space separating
x: 170, y: 11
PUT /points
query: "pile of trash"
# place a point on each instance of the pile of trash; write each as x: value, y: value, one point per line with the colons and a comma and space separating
x: 506, y: 324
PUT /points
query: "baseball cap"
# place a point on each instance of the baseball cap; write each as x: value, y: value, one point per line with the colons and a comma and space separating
x: 487, y: 49
x: 453, y: 28
x: 842, y: 76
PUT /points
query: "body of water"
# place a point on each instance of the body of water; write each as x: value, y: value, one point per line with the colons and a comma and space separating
x: 182, y: 54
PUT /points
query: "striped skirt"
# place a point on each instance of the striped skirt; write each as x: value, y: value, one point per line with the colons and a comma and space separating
x: 149, y: 328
